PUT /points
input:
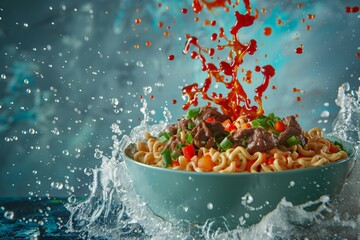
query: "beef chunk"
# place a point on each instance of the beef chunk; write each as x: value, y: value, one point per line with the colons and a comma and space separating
x: 202, y: 134
x: 255, y: 139
x: 208, y: 112
x: 172, y: 128
x: 292, y: 129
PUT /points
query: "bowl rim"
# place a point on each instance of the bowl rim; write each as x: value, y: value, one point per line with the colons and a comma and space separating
x: 350, y: 157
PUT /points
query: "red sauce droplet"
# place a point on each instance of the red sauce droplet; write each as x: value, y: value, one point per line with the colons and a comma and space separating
x: 299, y: 5
x: 298, y: 99
x: 184, y: 10
x: 174, y: 101
x: 148, y: 44
x: 161, y: 24
x: 349, y: 9
x: 171, y: 57
x: 138, y: 21
x: 211, y: 51
x: 152, y: 97
x: 311, y: 16
x: 236, y: 102
x: 297, y: 90
x: 358, y: 54
x: 267, y: 31
x: 213, y: 23
x: 214, y: 36
x: 299, y: 50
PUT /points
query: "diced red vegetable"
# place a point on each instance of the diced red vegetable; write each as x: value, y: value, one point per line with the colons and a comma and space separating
x: 245, y: 125
x: 249, y: 163
x: 205, y: 163
x: 229, y: 126
x: 279, y: 126
x: 210, y: 120
x: 270, y: 160
x: 175, y: 163
x: 333, y: 148
x: 189, y: 151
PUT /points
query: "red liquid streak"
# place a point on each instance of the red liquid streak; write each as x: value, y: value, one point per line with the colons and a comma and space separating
x: 198, y: 7
x: 236, y: 103
x: 352, y: 9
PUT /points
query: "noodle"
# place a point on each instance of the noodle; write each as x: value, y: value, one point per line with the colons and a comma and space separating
x: 313, y: 154
x: 205, y: 140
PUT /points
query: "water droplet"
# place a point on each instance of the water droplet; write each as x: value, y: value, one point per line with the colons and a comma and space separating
x: 66, y: 152
x: 88, y: 171
x: 115, y: 101
x: 147, y: 90
x: 98, y: 154
x: 292, y: 184
x: 9, y: 215
x: 72, y: 199
x: 3, y: 76
x: 32, y: 131
x: 210, y: 206
x: 26, y: 81
x: 139, y: 64
x: 325, y: 114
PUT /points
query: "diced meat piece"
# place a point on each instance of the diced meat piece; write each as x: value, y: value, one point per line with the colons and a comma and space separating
x: 172, y: 128
x: 255, y: 139
x: 210, y: 112
x: 292, y: 129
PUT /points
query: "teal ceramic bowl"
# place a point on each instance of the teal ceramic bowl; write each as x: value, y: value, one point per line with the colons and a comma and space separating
x: 196, y: 197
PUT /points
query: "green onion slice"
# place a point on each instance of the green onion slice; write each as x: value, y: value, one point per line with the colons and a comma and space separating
x: 191, y: 126
x: 192, y: 113
x: 291, y: 141
x: 225, y: 143
x: 164, y: 137
x: 189, y: 138
x: 166, y: 157
x: 175, y: 155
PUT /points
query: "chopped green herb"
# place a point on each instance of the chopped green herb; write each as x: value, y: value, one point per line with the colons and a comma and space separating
x: 266, y: 122
x: 291, y: 141
x: 175, y: 155
x: 166, y: 157
x: 226, y: 143
x: 192, y: 113
x: 189, y: 138
x: 336, y: 143
x: 190, y: 126
x: 164, y: 137
x: 180, y: 145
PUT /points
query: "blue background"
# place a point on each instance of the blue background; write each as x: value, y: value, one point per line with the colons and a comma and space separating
x: 71, y: 75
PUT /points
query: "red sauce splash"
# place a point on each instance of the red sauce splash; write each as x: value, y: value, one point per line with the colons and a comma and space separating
x: 351, y: 9
x: 198, y: 5
x: 267, y: 31
x: 236, y: 103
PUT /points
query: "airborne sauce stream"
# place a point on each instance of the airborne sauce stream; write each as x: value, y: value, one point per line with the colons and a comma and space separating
x: 236, y: 103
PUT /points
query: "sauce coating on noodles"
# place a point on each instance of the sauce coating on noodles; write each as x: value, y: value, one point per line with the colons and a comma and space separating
x: 205, y: 140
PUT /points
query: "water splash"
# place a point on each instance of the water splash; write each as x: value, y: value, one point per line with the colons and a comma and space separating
x: 113, y: 210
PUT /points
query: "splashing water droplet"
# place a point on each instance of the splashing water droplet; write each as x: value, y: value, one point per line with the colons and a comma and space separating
x: 72, y: 199
x: 210, y: 206
x: 147, y: 90
x: 325, y: 114
x: 98, y: 154
x: 139, y: 64
x: 9, y: 215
